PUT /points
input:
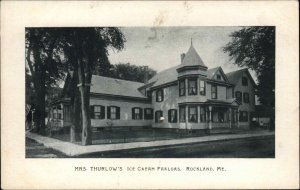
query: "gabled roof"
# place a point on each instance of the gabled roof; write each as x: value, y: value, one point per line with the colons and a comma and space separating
x: 235, y: 76
x: 164, y: 77
x: 192, y: 58
x: 211, y: 73
x: 112, y: 86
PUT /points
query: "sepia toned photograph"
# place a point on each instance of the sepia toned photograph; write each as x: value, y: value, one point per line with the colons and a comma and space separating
x: 150, y: 92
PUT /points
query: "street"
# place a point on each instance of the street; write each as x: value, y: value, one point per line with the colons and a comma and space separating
x: 258, y: 147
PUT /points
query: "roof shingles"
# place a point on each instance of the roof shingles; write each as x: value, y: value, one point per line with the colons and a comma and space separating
x: 112, y: 86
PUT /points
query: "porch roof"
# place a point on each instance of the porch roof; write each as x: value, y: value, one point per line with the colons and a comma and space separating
x: 228, y: 102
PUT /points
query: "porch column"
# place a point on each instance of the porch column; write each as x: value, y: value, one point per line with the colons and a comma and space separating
x: 210, y: 117
x: 230, y: 116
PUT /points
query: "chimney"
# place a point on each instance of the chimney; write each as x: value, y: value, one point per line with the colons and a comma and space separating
x: 146, y: 75
x: 182, y: 57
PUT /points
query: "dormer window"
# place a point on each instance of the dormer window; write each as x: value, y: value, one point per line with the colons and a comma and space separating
x: 244, y: 81
x: 219, y: 77
x: 192, y: 86
x: 182, y: 87
x: 159, y: 95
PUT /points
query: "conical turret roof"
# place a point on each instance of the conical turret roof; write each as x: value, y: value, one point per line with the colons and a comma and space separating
x: 192, y: 58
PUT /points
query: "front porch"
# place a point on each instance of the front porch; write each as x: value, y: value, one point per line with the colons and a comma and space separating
x: 59, y: 115
x: 209, y: 116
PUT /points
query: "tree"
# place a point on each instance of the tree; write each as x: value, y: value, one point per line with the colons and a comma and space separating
x: 126, y: 71
x: 254, y: 47
x: 42, y: 72
x: 85, y: 49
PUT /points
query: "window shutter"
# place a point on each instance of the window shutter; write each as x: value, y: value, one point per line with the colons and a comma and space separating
x: 151, y: 115
x: 108, y: 112
x: 156, y: 120
x: 118, y: 112
x: 141, y: 113
x: 176, y: 116
x: 169, y: 116
x: 132, y: 112
x: 92, y: 115
x: 102, y: 112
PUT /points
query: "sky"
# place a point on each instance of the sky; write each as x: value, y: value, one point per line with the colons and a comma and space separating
x: 160, y: 47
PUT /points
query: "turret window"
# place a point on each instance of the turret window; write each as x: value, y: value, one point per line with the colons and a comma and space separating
x: 192, y: 86
x: 193, y: 114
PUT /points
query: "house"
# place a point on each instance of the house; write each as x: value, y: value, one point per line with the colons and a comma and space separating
x: 189, y: 96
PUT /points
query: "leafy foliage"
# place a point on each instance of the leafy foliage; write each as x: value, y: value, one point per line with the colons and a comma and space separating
x: 126, y: 71
x: 254, y: 47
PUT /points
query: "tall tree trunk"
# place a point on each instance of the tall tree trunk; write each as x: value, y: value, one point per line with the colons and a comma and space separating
x: 75, y: 109
x: 39, y: 85
x: 85, y: 102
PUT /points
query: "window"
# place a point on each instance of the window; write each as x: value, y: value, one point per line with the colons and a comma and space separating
x: 159, y: 95
x: 219, y: 77
x: 182, y: 114
x: 148, y: 113
x: 238, y: 96
x: 97, y: 112
x: 246, y: 97
x: 113, y: 112
x: 158, y: 115
x: 193, y: 114
x: 192, y: 84
x: 137, y: 113
x: 214, y: 92
x: 244, y: 81
x: 182, y: 87
x: 202, y: 87
x: 202, y: 114
x: 172, y: 116
x: 243, y: 116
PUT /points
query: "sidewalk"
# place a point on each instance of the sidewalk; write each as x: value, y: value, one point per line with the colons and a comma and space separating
x: 71, y: 149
